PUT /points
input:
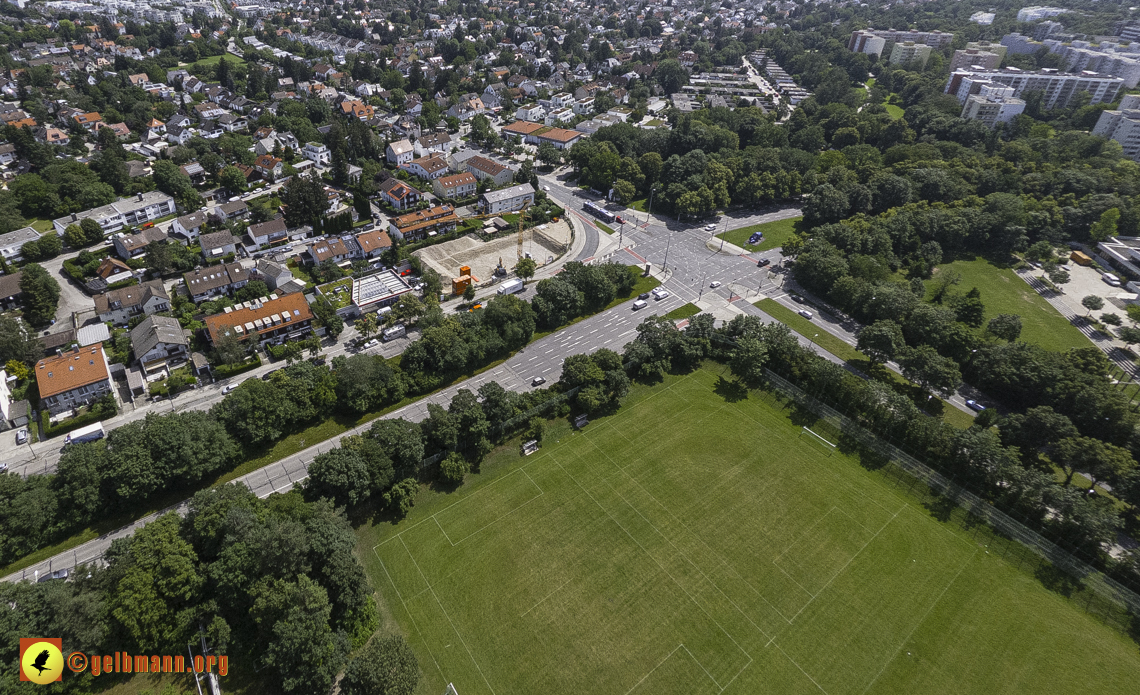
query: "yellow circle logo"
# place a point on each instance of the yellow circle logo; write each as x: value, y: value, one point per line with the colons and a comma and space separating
x: 42, y: 663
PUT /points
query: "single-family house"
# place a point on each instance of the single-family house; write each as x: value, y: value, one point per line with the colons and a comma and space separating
x: 118, y: 306
x: 217, y: 245
x: 373, y: 242
x: 429, y: 168
x: 270, y: 232
x: 506, y: 199
x: 187, y: 228
x: 456, y: 186
x: 399, y: 152
x: 399, y: 194
x: 159, y: 342
x: 129, y: 246
x: 484, y: 168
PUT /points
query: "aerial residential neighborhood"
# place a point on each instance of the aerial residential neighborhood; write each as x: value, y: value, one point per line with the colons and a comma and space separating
x: 652, y: 346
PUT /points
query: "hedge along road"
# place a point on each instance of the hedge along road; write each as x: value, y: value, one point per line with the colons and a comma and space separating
x: 610, y: 329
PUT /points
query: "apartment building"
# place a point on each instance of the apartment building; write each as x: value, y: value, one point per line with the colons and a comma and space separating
x: 1058, y: 88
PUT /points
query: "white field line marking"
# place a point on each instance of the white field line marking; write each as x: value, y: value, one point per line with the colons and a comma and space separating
x: 540, y: 602
x: 541, y: 492
x: 658, y: 563
x: 449, y: 620
x: 848, y: 563
x: 794, y: 663
x: 922, y: 619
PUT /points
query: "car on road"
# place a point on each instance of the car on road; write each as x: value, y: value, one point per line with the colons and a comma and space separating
x: 268, y: 375
x: 640, y: 304
x: 797, y: 298
x: 370, y: 344
x: 643, y: 295
x: 538, y: 381
x: 805, y: 313
x: 3, y: 467
x: 230, y: 388
x: 763, y: 262
x: 660, y: 295
x: 714, y: 284
x: 21, y: 436
x: 546, y: 188
x: 710, y: 227
x: 974, y: 405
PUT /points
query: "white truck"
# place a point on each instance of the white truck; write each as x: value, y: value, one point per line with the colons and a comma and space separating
x: 511, y: 286
x: 89, y: 433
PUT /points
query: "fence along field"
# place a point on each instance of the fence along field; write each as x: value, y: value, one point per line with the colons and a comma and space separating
x: 691, y: 544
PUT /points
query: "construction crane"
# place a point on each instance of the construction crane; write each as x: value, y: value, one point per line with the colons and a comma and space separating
x: 522, y: 218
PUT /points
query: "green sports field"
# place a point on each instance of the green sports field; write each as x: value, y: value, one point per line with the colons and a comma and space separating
x: 700, y: 543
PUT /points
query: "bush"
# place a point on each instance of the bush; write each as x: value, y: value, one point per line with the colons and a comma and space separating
x: 227, y: 370
x: 454, y: 468
x: 101, y: 409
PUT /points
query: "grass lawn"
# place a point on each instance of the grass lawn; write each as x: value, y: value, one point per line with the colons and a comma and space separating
x: 895, y: 112
x: 848, y: 353
x: 683, y: 312
x: 213, y: 60
x: 1003, y: 292
x: 627, y: 559
x: 638, y: 204
x: 604, y: 228
x: 775, y: 234
x: 41, y: 226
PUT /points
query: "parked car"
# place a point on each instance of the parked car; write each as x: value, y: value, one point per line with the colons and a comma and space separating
x: 974, y: 405
x: 538, y: 381
x: 710, y: 227
x: 268, y: 375
x: 714, y: 284
x: 756, y: 238
x: 806, y: 314
x: 21, y: 436
x: 230, y: 388
x: 1111, y: 279
x: 370, y: 344
x: 763, y: 262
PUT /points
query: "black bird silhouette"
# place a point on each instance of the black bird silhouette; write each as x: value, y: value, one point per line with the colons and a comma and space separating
x: 41, y: 659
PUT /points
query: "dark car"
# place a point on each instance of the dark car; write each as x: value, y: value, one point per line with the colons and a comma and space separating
x: 755, y: 239
x: 268, y: 375
x: 763, y: 262
x: 538, y: 381
x: 643, y: 295
x: 974, y: 405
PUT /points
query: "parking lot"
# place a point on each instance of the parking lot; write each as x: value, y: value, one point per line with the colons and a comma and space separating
x: 1085, y: 281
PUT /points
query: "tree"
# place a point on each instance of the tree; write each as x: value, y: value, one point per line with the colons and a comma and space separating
x: 402, y: 496
x: 969, y: 309
x: 40, y: 294
x: 170, y: 179
x: 1129, y: 334
x: 1105, y: 227
x: 299, y: 644
x: 75, y: 238
x: 525, y: 268
x: 625, y: 191
x: 387, y: 666
x: 229, y: 348
x: 1058, y: 276
x: 748, y: 361
x: 305, y: 199
x: 18, y: 342
x: 1133, y: 312
x: 931, y: 371
x: 232, y: 179
x: 159, y: 585
x: 1091, y: 456
x: 1007, y: 327
x: 881, y: 342
x: 454, y: 468
x: 671, y: 75
x: 1093, y: 303
x: 402, y: 441
x: 340, y: 475
x: 548, y: 154
x: 826, y: 205
x: 367, y: 325
x: 159, y: 257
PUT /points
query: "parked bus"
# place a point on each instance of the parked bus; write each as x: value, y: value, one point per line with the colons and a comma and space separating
x: 599, y: 212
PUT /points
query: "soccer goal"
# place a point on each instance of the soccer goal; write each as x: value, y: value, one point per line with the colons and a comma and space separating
x: 826, y: 446
x: 450, y: 690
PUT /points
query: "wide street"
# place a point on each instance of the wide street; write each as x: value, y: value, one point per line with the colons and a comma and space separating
x: 683, y: 256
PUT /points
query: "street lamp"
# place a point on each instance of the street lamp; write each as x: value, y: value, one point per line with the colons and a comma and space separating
x: 649, y: 210
x: 811, y: 342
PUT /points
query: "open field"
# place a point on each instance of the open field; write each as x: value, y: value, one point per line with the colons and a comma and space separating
x: 701, y: 543
x: 1005, y: 293
x: 775, y: 234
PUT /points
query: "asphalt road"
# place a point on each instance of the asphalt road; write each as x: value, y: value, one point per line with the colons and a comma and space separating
x: 612, y: 329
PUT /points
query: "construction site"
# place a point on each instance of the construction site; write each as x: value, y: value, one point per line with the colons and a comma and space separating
x: 544, y: 243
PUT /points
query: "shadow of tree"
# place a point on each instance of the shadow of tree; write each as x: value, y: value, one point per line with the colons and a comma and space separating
x: 730, y: 390
x: 802, y: 416
x: 1056, y: 580
x: 941, y: 507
